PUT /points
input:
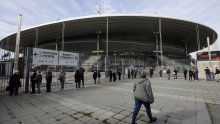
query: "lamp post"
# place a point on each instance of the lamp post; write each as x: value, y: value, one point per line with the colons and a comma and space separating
x: 122, y: 65
x: 98, y: 40
x: 115, y: 53
x: 161, y: 46
x: 209, y: 53
x: 106, y: 57
x: 186, y: 46
x: 157, y: 48
x: 17, y: 43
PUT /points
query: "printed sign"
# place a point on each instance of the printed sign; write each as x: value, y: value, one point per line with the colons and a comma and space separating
x: 45, y: 57
x: 68, y: 58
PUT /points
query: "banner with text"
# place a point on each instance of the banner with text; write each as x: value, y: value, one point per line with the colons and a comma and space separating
x: 68, y: 58
x: 52, y: 57
x: 45, y: 57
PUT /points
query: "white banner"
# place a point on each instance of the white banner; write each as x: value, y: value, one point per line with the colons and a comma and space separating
x: 68, y: 58
x: 45, y: 57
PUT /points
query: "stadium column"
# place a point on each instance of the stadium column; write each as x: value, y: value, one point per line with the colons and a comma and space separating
x: 115, y: 59
x: 98, y: 40
x: 161, y: 46
x: 157, y: 49
x: 122, y: 62
x: 63, y: 31
x: 186, y: 47
x: 36, y: 37
x: 210, y: 59
x: 28, y: 53
x: 197, y: 37
x: 106, y: 57
x: 62, y: 46
x: 17, y: 43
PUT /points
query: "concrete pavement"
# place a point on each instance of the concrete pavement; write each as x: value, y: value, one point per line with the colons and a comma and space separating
x: 176, y: 102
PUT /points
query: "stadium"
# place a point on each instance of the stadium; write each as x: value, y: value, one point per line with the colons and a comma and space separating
x: 129, y: 36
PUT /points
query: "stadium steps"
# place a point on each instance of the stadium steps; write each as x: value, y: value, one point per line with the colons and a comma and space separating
x: 90, y: 62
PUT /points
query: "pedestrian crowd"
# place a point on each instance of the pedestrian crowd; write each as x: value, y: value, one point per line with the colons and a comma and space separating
x: 142, y: 91
x: 111, y: 75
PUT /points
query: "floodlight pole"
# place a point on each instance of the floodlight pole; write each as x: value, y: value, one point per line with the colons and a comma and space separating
x: 98, y: 38
x: 161, y: 50
x: 17, y: 43
x: 157, y: 49
x: 197, y: 37
x: 106, y: 57
x: 115, y: 62
x: 210, y: 59
x: 36, y: 37
x: 186, y: 47
x: 63, y: 29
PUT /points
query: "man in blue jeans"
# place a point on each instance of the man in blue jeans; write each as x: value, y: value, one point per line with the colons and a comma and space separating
x: 207, y: 73
x: 143, y: 95
x: 62, y: 79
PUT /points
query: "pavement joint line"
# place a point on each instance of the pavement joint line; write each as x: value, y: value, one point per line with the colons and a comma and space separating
x: 209, y: 112
x: 181, y: 89
x: 164, y: 95
x: 82, y: 104
x: 189, y: 83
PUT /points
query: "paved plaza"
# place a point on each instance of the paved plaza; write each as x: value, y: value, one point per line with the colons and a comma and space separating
x: 177, y: 101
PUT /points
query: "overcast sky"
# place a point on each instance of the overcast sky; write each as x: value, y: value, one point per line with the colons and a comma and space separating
x: 35, y: 12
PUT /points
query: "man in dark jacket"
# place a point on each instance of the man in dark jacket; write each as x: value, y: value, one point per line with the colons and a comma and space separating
x: 119, y: 75
x: 217, y: 71
x: 151, y: 72
x: 132, y: 73
x: 207, y: 73
x: 77, y: 77
x: 96, y: 76
x: 48, y: 77
x: 110, y: 75
x: 168, y: 74
x: 33, y: 81
x: 14, y: 83
x: 175, y: 74
x: 185, y: 73
x: 38, y: 82
x: 81, y: 71
x: 190, y: 74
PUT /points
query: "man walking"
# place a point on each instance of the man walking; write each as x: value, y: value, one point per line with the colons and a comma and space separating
x: 48, y: 77
x: 81, y: 71
x: 207, y: 73
x: 33, y: 81
x: 175, y: 73
x: 62, y: 78
x: 168, y: 74
x: 14, y: 83
x: 185, y: 73
x: 217, y: 71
